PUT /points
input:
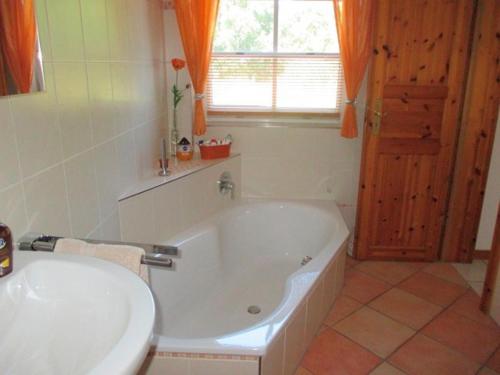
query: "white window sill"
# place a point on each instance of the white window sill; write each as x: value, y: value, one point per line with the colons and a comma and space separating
x: 238, y: 121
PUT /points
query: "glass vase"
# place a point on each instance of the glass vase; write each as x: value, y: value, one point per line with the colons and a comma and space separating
x: 174, y: 135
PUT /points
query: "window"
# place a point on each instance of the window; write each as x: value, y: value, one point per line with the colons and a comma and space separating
x: 275, y: 56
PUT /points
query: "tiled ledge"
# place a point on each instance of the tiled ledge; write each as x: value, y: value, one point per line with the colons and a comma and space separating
x: 177, y: 169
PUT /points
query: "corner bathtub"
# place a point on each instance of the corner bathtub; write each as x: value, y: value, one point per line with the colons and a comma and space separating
x: 249, y: 255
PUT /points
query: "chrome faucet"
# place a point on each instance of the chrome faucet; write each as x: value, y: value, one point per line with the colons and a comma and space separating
x: 226, y: 184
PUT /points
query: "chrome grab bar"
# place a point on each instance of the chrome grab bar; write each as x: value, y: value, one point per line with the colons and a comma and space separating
x: 155, y: 255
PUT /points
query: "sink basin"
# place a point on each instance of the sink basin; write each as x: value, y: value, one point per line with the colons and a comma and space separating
x: 69, y: 314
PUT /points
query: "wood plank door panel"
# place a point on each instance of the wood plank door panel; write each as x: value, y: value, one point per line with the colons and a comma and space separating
x: 415, y: 98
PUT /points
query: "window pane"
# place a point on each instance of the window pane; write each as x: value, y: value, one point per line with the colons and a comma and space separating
x: 275, y: 83
x: 245, y: 26
x: 307, y: 26
x: 308, y: 83
x: 241, y: 82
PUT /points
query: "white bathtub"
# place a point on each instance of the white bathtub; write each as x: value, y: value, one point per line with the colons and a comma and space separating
x: 247, y: 255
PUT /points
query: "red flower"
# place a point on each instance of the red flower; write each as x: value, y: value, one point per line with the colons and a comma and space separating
x: 178, y: 64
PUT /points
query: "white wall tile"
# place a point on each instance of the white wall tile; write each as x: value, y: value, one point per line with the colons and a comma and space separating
x: 121, y: 75
x: 82, y: 194
x: 148, y: 149
x: 13, y: 211
x: 118, y: 26
x: 95, y: 31
x: 110, y: 228
x: 9, y: 165
x: 108, y: 178
x: 329, y: 285
x: 314, y: 311
x: 273, y: 361
x: 295, y: 340
x: 168, y: 211
x: 46, y: 203
x: 65, y: 24
x: 158, y: 214
x: 37, y: 129
x: 138, y: 16
x: 100, y: 94
x: 72, y: 97
x: 102, y: 110
x: 223, y: 367
x: 296, y: 162
x: 43, y: 29
x: 137, y: 219
x: 127, y: 159
x: 165, y: 365
x: 339, y: 283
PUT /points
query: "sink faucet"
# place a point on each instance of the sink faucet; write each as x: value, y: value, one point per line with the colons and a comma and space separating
x: 226, y: 184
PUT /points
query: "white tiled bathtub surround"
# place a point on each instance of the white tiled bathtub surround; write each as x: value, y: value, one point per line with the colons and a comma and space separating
x: 68, y: 153
x: 186, y: 363
x: 159, y: 213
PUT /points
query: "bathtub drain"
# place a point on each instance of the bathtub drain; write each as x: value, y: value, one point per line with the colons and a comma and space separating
x: 254, y: 309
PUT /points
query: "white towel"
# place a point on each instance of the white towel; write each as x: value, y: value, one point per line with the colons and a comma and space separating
x: 126, y: 256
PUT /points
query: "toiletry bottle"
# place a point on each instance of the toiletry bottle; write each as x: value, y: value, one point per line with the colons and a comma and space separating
x: 5, y: 250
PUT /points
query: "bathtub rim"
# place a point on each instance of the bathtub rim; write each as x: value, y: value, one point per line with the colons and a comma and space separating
x: 298, y: 286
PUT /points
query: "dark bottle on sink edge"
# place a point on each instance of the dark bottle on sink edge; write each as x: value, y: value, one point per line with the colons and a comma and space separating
x: 5, y: 250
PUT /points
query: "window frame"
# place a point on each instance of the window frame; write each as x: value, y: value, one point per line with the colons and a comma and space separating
x: 274, y: 115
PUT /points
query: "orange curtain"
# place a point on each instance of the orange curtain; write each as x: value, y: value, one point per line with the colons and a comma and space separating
x: 354, y: 20
x: 197, y: 19
x: 18, y: 36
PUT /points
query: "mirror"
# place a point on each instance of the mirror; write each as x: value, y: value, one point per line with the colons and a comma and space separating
x: 21, y: 69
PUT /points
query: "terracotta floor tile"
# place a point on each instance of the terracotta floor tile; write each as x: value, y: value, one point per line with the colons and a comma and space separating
x: 331, y: 353
x: 374, y: 331
x: 351, y: 262
x: 432, y: 289
x: 424, y: 356
x: 468, y: 305
x: 477, y: 341
x: 303, y: 371
x: 445, y: 271
x: 386, y: 369
x: 406, y: 308
x: 390, y: 272
x: 494, y: 361
x: 342, y: 307
x: 487, y: 371
x: 362, y: 287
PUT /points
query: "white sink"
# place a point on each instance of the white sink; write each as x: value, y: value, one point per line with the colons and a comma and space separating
x: 68, y: 314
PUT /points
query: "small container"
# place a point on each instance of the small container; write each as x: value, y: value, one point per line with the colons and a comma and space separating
x: 215, y: 152
x: 5, y: 250
x: 184, y: 150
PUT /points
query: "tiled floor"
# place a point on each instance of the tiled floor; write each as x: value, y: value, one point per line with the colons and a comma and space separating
x: 474, y: 273
x: 406, y: 318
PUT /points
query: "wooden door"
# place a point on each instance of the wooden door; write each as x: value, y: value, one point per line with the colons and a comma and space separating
x: 415, y: 97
